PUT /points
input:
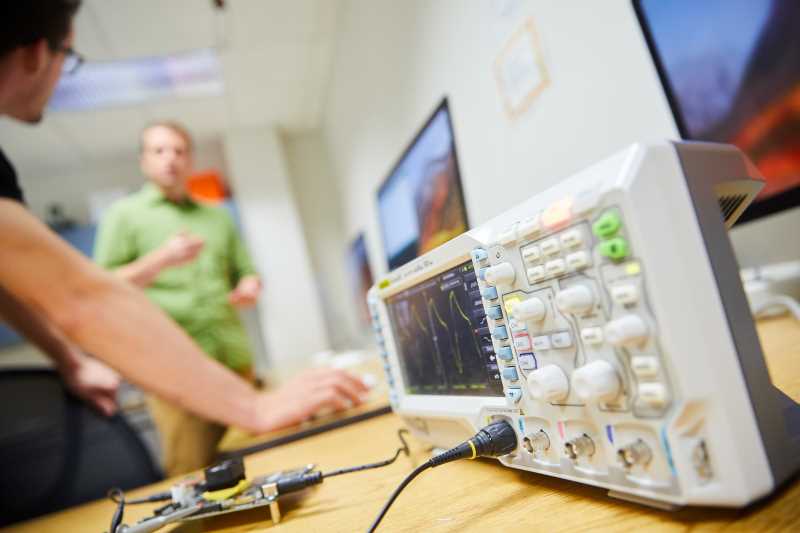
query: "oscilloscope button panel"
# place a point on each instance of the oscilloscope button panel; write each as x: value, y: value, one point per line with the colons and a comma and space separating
x: 584, y: 302
x: 573, y: 330
x: 383, y: 350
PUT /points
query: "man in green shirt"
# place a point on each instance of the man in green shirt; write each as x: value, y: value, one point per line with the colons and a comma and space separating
x: 191, y: 262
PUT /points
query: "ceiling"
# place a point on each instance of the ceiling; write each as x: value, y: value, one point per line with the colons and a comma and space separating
x: 276, y: 59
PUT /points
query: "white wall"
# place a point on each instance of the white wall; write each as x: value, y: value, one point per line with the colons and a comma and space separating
x: 290, y: 308
x: 72, y: 189
x: 395, y: 60
x: 768, y: 240
x: 317, y: 196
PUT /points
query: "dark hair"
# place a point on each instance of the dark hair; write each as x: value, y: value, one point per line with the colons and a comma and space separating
x: 25, y: 22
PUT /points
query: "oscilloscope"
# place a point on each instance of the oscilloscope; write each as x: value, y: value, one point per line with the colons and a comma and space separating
x: 605, y: 320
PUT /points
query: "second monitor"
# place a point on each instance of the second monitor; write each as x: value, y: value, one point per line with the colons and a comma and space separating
x: 421, y: 203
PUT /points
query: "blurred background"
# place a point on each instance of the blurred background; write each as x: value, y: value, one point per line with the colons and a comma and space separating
x: 310, y: 115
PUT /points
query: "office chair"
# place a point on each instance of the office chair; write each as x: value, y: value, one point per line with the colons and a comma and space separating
x: 56, y: 452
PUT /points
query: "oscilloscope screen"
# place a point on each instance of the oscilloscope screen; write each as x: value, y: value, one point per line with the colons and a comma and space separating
x: 442, y: 336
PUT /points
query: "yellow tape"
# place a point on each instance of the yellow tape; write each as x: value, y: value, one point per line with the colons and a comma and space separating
x: 224, y: 494
x: 474, y: 451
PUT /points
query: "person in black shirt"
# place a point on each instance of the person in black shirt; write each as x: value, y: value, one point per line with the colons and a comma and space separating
x: 78, y: 304
x: 23, y: 93
x: 9, y: 188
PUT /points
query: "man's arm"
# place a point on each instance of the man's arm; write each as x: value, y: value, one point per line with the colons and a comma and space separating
x: 115, y: 249
x: 180, y: 249
x: 86, y: 377
x: 116, y: 322
x: 246, y: 292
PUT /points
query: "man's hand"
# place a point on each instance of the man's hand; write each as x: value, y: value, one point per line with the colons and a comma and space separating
x: 86, y: 377
x: 246, y: 292
x: 307, y: 394
x: 180, y: 249
x: 92, y: 381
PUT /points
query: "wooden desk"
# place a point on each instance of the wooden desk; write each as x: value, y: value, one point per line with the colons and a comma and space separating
x: 462, y: 496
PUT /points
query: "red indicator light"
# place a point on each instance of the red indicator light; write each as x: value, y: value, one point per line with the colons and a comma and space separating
x: 557, y: 214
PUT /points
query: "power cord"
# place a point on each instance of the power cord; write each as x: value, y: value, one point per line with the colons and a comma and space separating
x: 494, y: 440
x: 315, y: 478
x: 403, y: 449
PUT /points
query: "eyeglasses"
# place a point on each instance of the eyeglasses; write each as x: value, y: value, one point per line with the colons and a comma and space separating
x: 72, y: 60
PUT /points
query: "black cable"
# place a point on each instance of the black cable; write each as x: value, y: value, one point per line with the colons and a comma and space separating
x: 116, y: 520
x: 404, y: 449
x: 116, y: 495
x: 417, y: 471
x: 302, y: 481
x: 494, y: 440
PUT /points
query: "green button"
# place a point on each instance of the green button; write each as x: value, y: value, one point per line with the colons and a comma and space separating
x: 607, y: 225
x: 615, y: 249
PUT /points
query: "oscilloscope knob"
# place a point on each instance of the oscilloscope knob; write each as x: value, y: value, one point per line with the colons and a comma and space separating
x: 596, y: 382
x: 530, y: 309
x: 575, y: 299
x: 501, y: 274
x: 626, y: 331
x: 548, y: 383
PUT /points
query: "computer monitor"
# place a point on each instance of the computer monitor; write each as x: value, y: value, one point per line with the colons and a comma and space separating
x: 360, y: 274
x: 731, y: 72
x: 421, y: 202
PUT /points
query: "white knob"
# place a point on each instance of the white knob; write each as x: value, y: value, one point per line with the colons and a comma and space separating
x: 530, y: 309
x: 502, y: 274
x: 548, y: 383
x: 626, y: 331
x: 596, y: 382
x: 576, y: 299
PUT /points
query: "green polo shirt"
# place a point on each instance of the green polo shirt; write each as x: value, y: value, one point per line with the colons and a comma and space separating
x: 194, y: 295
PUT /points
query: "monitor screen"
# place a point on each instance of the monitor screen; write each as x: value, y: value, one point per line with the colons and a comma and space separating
x: 442, y: 336
x: 360, y: 275
x: 421, y: 204
x: 731, y: 70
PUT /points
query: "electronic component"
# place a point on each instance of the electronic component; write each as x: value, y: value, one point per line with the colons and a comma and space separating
x: 224, y: 475
x: 226, y: 490
x: 605, y: 319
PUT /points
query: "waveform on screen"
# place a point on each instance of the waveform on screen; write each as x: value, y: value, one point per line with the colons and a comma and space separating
x: 442, y: 336
x: 455, y: 306
x: 455, y: 325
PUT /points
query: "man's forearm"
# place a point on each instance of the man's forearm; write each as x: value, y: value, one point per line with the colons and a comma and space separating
x: 34, y: 327
x: 127, y: 331
x: 144, y: 270
x: 116, y: 322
